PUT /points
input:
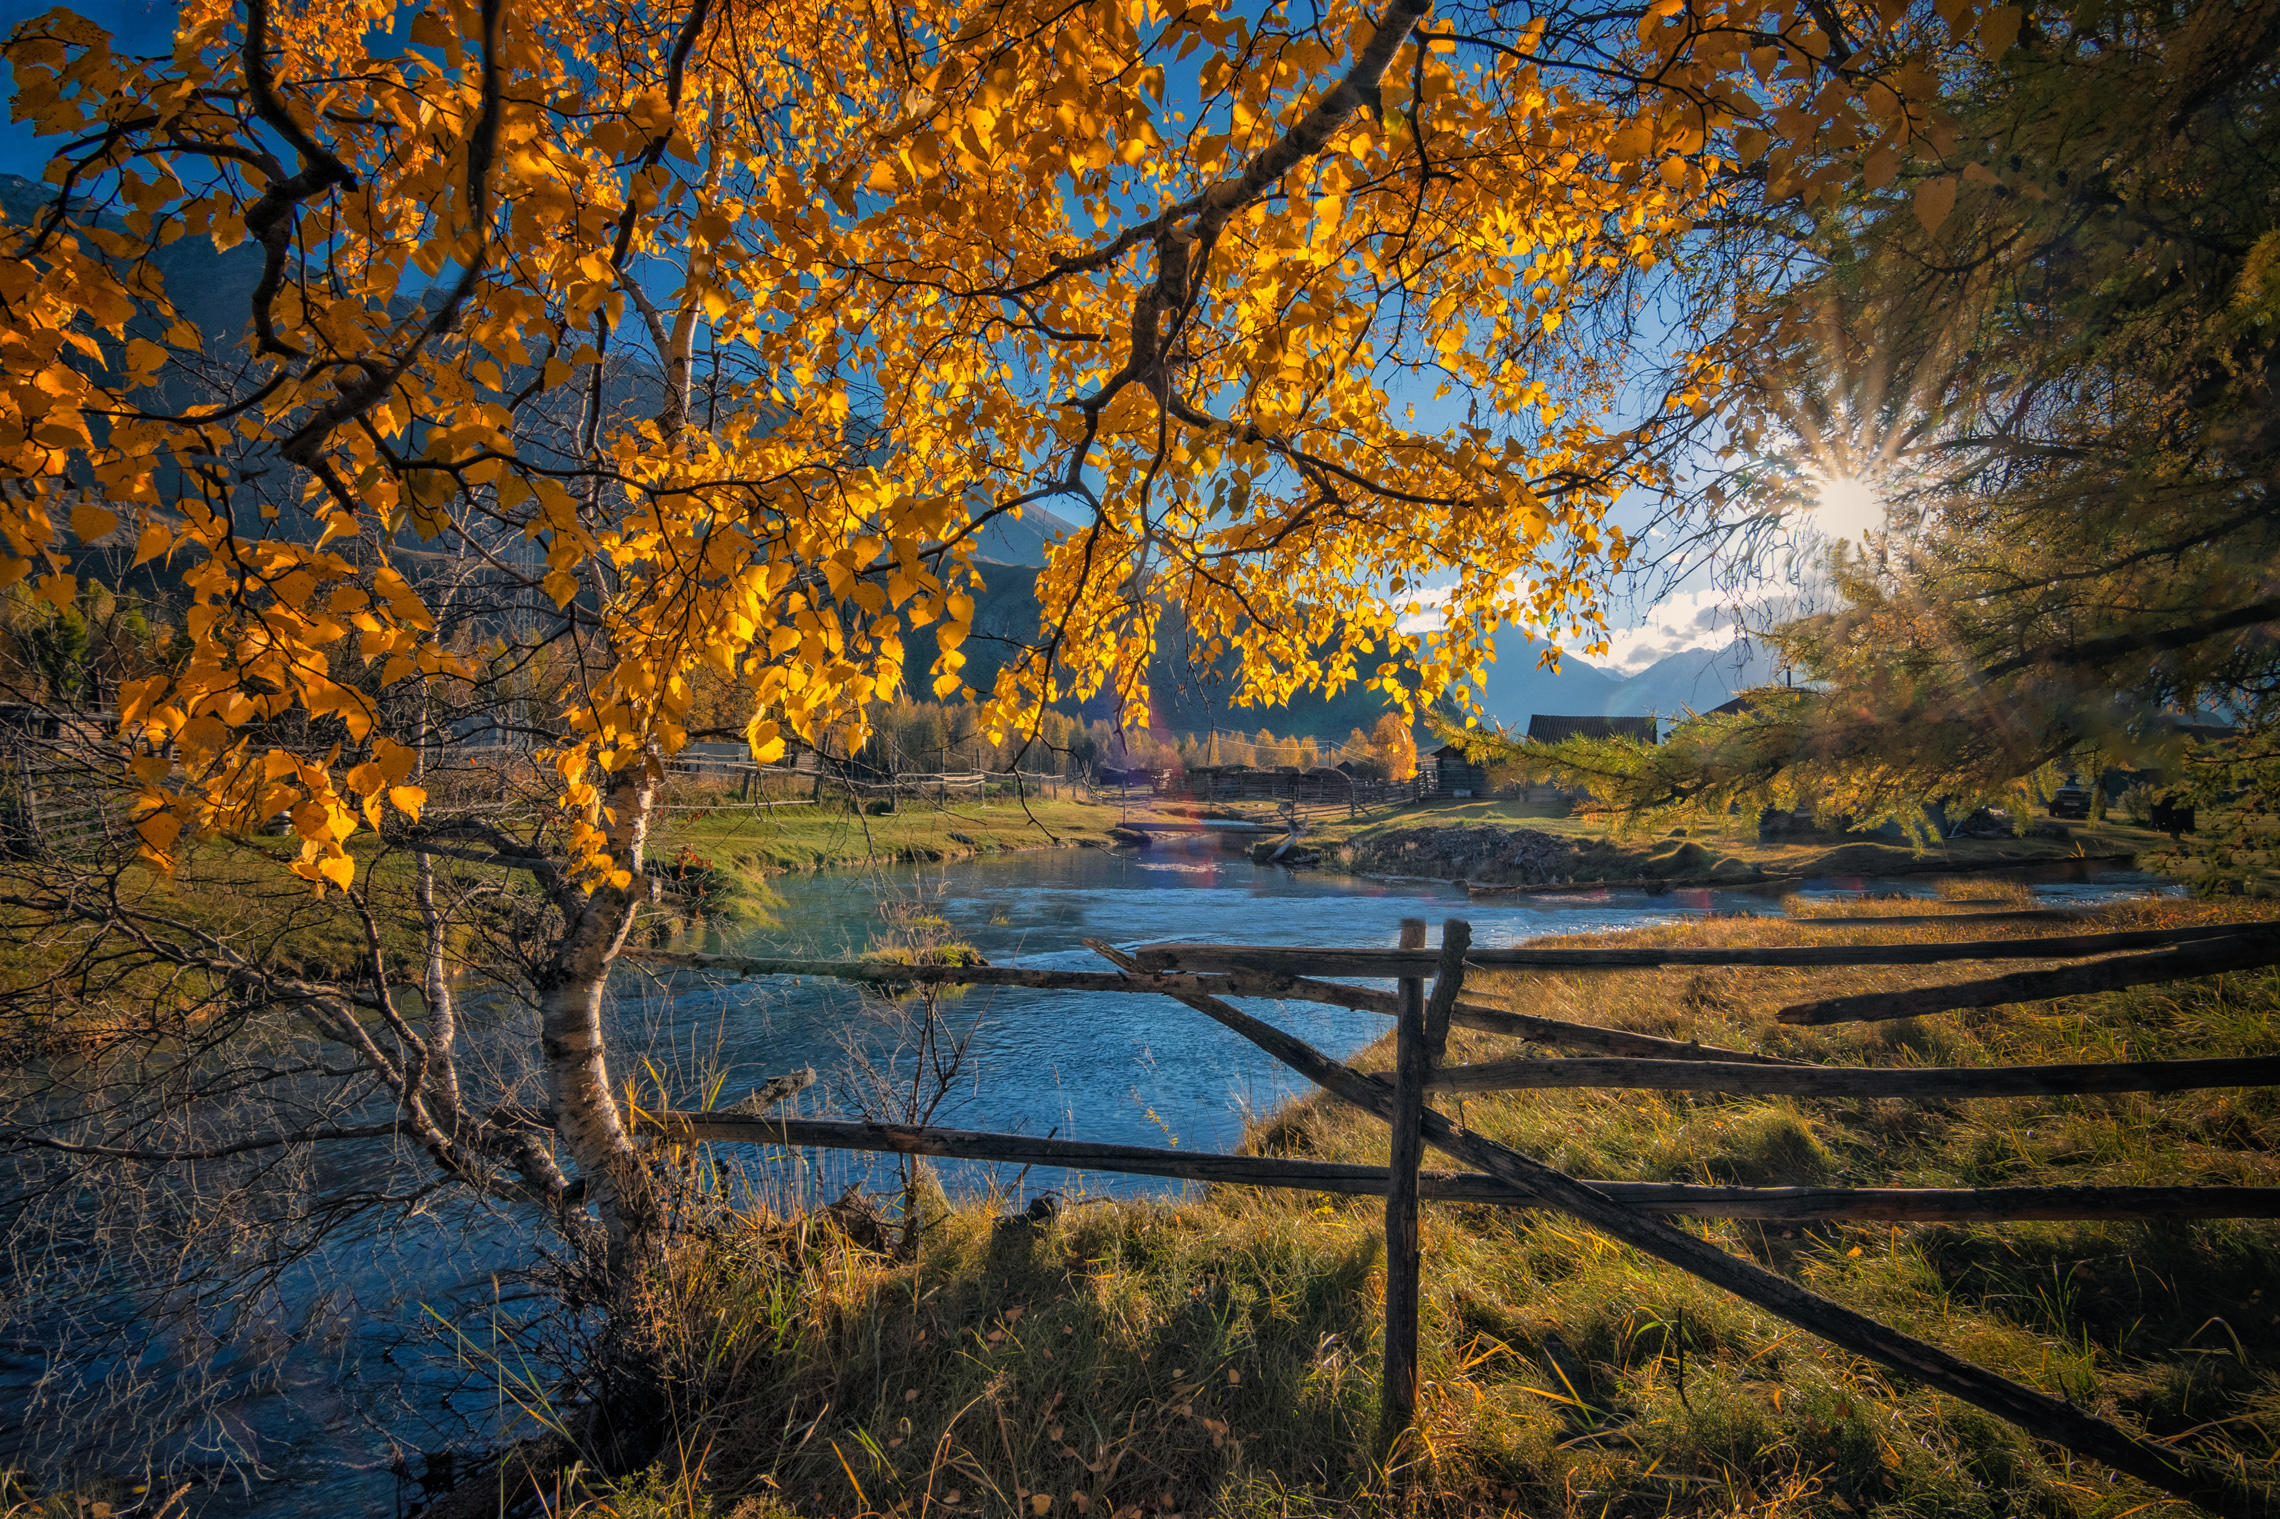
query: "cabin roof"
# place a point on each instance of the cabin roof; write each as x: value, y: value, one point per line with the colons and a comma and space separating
x: 1544, y: 729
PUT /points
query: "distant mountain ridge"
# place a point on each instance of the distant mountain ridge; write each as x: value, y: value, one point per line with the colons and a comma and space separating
x: 1006, y: 541
x: 1516, y: 688
x: 1696, y: 680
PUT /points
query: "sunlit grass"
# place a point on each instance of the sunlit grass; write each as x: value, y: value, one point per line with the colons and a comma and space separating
x: 1219, y: 1355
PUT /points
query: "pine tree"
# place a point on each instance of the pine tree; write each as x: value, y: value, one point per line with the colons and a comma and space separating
x: 2051, y: 348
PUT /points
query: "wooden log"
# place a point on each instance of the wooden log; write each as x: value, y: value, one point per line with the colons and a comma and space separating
x: 1195, y: 959
x: 1872, y: 1204
x: 1862, y: 1081
x: 1204, y: 825
x: 2037, y: 1412
x: 1397, y: 1399
x: 2209, y: 957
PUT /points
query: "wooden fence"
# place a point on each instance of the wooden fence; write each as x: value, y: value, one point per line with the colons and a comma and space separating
x: 61, y: 799
x: 1429, y: 1000
x: 828, y: 777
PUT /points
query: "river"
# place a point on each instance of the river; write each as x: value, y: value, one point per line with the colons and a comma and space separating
x: 302, y: 1435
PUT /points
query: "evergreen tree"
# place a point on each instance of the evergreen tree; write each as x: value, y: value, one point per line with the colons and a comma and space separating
x: 2050, y: 351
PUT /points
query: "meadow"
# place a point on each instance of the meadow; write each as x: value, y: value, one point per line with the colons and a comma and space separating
x: 1218, y: 1354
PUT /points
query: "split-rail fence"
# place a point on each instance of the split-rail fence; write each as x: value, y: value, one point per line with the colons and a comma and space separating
x: 1429, y: 999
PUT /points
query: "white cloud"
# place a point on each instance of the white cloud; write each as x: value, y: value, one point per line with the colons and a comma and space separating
x: 1706, y: 618
x: 1429, y: 617
x: 1687, y: 620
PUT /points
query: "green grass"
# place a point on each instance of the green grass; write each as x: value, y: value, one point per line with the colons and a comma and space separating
x: 1219, y: 1355
x: 771, y: 840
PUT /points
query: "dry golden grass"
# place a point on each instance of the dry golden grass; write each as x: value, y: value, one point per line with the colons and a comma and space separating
x: 1219, y: 1356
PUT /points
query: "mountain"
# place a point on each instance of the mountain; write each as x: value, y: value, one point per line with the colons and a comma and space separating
x: 1518, y: 688
x: 215, y: 290
x: 1184, y: 699
x: 1696, y: 679
x: 1022, y: 543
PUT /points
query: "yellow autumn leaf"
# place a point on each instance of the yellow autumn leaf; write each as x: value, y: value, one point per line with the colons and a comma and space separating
x: 1935, y: 198
x: 731, y: 546
x: 1998, y: 29
x: 153, y: 541
x: 90, y: 522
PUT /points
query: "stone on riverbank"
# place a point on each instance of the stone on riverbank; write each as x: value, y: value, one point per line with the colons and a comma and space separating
x: 1504, y: 856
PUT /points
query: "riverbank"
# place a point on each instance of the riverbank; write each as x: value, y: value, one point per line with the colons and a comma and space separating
x: 773, y: 840
x: 1219, y: 1356
x: 723, y: 854
x: 1491, y: 844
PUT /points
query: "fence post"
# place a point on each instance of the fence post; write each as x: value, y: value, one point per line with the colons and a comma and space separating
x: 1418, y: 1044
x: 1397, y: 1406
x: 1449, y: 980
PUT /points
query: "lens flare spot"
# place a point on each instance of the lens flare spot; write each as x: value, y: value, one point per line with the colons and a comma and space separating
x: 1846, y: 506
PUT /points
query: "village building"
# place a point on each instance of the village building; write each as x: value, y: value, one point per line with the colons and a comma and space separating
x: 1544, y: 729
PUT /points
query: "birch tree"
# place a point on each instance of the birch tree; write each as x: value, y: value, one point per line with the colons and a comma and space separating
x: 596, y: 345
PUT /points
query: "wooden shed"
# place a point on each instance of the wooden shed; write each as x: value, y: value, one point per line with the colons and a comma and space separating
x: 1455, y: 776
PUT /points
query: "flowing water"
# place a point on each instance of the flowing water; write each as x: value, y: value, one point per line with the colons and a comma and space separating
x: 1110, y: 1068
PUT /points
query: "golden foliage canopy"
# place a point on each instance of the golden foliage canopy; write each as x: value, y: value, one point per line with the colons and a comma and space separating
x: 1299, y: 312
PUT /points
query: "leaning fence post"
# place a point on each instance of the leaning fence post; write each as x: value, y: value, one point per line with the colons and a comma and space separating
x: 1398, y: 1401
x: 1449, y: 980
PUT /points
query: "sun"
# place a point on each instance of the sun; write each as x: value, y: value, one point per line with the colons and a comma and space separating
x: 1846, y: 506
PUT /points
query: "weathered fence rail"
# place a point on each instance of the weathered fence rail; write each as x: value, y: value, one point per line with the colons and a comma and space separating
x: 1861, y: 1081
x: 1283, y: 959
x: 1202, y: 976
x: 1297, y: 988
x: 1772, y: 1204
x: 2209, y: 957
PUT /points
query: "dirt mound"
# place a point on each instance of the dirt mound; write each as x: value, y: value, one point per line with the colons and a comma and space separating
x: 1483, y: 852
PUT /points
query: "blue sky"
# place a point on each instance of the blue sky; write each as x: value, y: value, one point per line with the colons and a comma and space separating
x: 136, y: 26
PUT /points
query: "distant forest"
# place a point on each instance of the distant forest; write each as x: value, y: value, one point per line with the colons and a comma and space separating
x: 925, y: 737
